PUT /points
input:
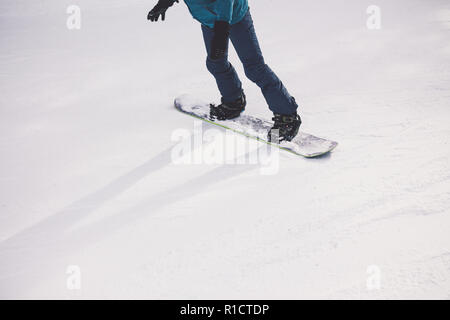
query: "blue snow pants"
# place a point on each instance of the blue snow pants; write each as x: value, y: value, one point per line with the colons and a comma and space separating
x: 245, y: 42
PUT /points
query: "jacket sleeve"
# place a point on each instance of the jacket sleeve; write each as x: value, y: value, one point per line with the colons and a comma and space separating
x: 224, y: 9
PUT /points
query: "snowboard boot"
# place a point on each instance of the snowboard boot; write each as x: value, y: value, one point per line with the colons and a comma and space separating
x: 285, y: 127
x: 228, y: 110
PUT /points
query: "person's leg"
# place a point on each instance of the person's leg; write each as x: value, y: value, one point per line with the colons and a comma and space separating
x: 245, y: 42
x: 228, y: 82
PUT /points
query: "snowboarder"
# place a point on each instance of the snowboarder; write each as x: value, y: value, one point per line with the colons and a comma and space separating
x: 221, y: 21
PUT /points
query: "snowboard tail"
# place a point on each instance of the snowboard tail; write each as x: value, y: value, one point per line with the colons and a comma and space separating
x: 304, y: 144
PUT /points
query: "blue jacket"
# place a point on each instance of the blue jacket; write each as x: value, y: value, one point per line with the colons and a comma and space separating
x: 209, y: 11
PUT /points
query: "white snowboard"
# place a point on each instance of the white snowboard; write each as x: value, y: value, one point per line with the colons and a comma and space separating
x: 304, y: 144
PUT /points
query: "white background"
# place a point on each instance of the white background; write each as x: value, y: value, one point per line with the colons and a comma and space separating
x: 86, y: 176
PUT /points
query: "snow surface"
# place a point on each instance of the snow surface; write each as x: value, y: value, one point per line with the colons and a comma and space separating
x: 87, y: 178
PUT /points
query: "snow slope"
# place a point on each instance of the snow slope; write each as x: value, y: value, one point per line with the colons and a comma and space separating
x: 87, y: 178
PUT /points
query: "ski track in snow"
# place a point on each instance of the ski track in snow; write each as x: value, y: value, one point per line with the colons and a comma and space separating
x: 86, y: 176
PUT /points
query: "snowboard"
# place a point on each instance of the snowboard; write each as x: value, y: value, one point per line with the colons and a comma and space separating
x: 304, y: 144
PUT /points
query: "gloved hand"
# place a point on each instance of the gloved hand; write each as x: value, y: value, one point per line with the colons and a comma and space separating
x: 219, y: 45
x: 160, y: 10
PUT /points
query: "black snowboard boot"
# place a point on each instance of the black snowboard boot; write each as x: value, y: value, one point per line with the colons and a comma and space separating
x: 227, y: 110
x: 287, y: 126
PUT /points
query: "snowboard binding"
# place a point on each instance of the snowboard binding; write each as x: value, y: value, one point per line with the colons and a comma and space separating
x: 228, y: 110
x: 285, y: 127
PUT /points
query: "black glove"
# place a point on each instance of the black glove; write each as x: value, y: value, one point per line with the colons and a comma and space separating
x: 219, y: 45
x: 160, y: 10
